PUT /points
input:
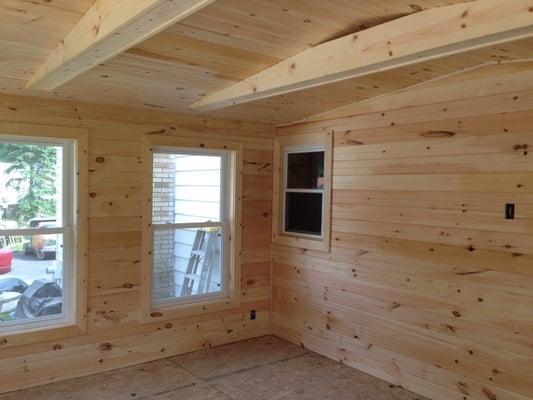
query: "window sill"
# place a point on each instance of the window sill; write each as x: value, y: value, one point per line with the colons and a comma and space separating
x: 177, y: 311
x: 41, y: 334
x: 301, y: 242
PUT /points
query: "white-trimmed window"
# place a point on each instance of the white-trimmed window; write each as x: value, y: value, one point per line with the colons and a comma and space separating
x: 37, y: 217
x: 301, y: 205
x: 191, y: 209
x: 303, y: 191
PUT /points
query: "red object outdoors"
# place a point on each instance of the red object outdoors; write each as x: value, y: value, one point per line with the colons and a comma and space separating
x: 6, y: 259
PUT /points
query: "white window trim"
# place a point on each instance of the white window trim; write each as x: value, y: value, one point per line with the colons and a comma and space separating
x: 304, y: 142
x: 222, y: 223
x: 149, y: 312
x: 67, y: 317
x: 295, y: 150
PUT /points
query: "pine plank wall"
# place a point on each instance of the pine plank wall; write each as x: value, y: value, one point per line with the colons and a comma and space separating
x: 115, y: 336
x: 427, y: 285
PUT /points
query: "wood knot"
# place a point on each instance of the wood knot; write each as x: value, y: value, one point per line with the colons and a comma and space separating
x: 437, y: 134
x: 3, y: 342
x: 156, y: 314
x: 159, y: 131
x: 168, y: 325
x: 463, y: 388
x: 489, y: 394
x: 456, y: 314
x: 127, y: 285
x: 105, y: 346
x: 352, y: 142
x: 100, y: 159
x: 57, y: 347
x: 520, y: 147
x: 450, y: 328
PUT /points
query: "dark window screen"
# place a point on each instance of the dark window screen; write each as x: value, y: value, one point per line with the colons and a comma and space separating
x: 303, y: 213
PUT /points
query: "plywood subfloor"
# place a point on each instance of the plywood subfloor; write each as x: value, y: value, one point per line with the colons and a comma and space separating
x: 260, y: 369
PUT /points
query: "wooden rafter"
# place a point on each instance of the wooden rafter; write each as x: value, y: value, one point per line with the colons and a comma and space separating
x: 107, y: 29
x: 416, y: 38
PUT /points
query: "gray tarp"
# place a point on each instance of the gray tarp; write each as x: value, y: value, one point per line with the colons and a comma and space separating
x: 12, y: 285
x: 41, y: 298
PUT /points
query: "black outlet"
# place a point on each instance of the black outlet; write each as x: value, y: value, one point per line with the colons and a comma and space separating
x: 252, y: 315
x: 509, y: 211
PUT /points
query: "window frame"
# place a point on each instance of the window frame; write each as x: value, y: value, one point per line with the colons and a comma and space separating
x: 283, y: 146
x: 298, y: 149
x: 73, y: 320
x: 223, y: 223
x: 194, y: 305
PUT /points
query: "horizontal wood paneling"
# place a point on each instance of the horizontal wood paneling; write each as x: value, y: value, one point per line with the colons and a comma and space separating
x: 115, y: 336
x: 427, y: 285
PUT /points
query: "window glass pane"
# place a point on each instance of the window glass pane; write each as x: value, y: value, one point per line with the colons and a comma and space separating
x: 186, y: 188
x: 187, y: 262
x: 303, y: 213
x: 30, y: 185
x: 305, y: 170
x: 31, y: 277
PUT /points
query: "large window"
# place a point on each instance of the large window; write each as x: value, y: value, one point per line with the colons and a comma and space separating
x: 191, y: 200
x: 37, y: 182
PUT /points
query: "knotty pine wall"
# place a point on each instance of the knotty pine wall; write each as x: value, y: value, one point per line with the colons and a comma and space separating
x: 115, y: 337
x: 427, y: 285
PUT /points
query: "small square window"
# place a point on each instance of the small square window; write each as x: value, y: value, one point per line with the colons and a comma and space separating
x: 303, y: 191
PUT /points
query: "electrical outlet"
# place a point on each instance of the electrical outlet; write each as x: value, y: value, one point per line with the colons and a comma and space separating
x: 509, y: 211
x: 252, y: 315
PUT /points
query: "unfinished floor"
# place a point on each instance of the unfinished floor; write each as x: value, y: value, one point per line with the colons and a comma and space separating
x: 260, y: 369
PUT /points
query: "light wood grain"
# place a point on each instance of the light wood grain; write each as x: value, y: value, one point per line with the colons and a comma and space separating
x: 115, y: 336
x: 427, y: 285
x: 222, y: 44
x: 414, y: 39
x: 106, y: 30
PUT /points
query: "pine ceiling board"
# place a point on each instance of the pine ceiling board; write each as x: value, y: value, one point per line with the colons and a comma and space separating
x: 214, y: 48
x: 29, y: 30
x: 310, y: 102
x: 281, y: 28
x: 477, y: 82
x: 217, y: 59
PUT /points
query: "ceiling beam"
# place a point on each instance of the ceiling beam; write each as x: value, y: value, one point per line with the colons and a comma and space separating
x: 416, y: 38
x: 107, y: 29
